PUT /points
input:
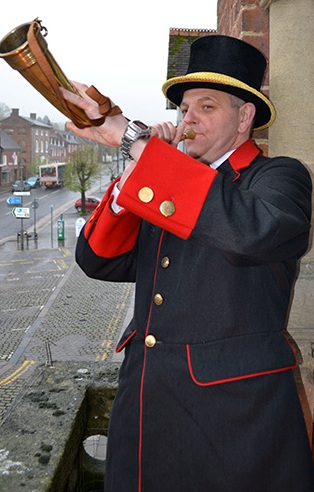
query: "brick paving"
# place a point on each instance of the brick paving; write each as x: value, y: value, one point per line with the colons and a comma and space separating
x: 51, y: 311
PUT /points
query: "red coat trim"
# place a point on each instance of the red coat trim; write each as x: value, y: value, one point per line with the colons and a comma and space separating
x: 272, y: 353
x: 237, y: 378
x: 119, y: 230
x: 243, y: 156
x: 119, y: 347
x: 172, y: 176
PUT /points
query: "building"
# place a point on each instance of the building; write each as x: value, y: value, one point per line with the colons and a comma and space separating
x: 9, y: 159
x: 35, y: 142
x: 33, y: 137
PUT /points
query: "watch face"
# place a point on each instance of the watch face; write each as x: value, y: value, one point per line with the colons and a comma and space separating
x: 141, y: 125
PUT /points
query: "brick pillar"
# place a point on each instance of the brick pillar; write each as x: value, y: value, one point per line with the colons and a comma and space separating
x: 246, y: 20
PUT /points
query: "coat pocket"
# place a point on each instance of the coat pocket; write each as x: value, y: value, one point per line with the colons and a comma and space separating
x: 239, y: 357
x: 126, y: 337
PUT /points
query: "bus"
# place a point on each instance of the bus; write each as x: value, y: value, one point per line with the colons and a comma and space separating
x: 52, y: 175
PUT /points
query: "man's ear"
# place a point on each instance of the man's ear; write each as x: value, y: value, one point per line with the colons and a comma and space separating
x: 247, y: 113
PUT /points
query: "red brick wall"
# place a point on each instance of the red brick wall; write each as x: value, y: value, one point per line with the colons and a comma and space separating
x: 246, y: 20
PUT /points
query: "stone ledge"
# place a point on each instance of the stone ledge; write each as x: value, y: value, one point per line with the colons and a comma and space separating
x: 42, y: 437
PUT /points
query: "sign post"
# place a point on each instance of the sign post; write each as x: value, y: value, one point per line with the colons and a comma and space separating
x: 35, y: 205
x: 20, y: 212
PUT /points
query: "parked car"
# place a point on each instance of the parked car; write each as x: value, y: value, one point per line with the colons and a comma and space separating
x: 91, y: 202
x: 33, y: 181
x: 20, y: 186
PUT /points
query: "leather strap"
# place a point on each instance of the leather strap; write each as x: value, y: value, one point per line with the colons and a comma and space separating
x: 53, y: 84
x: 104, y: 105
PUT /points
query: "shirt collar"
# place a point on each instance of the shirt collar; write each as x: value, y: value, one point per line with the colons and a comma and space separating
x: 222, y: 159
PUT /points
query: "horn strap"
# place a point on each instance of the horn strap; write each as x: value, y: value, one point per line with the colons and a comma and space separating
x: 104, y: 106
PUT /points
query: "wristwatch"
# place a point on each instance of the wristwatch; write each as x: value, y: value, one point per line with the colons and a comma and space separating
x: 133, y: 132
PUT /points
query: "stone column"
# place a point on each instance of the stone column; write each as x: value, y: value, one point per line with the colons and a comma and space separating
x: 291, y: 77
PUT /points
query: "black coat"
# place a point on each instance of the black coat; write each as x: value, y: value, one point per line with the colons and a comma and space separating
x: 207, y: 399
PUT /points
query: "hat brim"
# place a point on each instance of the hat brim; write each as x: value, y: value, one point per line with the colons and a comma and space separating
x: 265, y: 112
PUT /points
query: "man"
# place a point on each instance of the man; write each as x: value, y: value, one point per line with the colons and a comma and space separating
x: 207, y: 399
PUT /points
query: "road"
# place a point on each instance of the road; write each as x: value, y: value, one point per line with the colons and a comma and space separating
x: 50, y: 204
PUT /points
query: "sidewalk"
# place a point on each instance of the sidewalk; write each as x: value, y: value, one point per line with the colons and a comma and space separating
x: 51, y: 311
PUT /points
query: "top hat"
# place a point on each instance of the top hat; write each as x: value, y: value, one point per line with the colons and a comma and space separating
x: 229, y: 65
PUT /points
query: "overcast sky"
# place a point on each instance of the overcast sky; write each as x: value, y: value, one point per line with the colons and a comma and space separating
x: 120, y: 46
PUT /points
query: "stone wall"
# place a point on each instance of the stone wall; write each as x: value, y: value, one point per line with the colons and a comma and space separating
x: 282, y: 30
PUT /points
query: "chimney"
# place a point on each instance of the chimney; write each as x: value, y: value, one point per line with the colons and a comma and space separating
x: 15, y: 112
x: 33, y: 116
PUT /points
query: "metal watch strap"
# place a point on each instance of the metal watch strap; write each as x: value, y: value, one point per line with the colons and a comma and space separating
x: 133, y: 132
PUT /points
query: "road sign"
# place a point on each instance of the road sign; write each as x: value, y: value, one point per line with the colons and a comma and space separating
x: 79, y: 223
x: 21, y: 193
x: 21, y: 212
x: 14, y: 200
x: 35, y: 203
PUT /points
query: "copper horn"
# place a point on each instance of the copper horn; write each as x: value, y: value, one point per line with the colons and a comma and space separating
x: 25, y: 50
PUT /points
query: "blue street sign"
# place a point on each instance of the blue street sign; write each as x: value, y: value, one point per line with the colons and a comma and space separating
x: 14, y: 200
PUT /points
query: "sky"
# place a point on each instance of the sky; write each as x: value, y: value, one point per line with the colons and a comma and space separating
x: 119, y: 46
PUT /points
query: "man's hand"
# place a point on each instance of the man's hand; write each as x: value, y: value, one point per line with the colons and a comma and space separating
x: 109, y: 133
x: 168, y: 132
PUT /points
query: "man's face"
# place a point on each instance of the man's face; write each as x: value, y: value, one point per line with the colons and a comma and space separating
x: 217, y: 119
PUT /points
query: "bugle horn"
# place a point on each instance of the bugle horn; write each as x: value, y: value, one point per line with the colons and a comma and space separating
x: 25, y: 50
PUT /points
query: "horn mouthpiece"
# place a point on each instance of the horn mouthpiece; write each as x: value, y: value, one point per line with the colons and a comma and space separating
x: 189, y: 134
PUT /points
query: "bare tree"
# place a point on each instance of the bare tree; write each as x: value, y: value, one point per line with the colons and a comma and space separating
x: 5, y: 111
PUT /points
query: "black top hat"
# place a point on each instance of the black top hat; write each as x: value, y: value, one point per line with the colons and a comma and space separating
x: 227, y: 64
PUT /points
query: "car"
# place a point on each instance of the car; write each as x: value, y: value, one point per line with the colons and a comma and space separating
x: 91, y: 202
x: 33, y: 181
x: 20, y: 186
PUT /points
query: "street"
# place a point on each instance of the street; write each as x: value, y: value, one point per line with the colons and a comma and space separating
x: 49, y: 203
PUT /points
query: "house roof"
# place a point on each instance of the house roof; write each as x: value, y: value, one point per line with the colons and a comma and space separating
x: 7, y: 143
x: 180, y: 41
x: 36, y: 122
x: 32, y: 120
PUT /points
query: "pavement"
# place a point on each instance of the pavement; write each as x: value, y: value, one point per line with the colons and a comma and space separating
x: 51, y: 311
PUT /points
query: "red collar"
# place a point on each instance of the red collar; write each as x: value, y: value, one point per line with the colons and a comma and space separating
x: 243, y: 156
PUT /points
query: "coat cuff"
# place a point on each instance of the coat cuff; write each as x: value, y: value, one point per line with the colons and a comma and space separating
x: 109, y: 234
x: 167, y: 188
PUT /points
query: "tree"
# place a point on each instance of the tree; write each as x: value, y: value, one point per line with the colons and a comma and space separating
x: 82, y: 170
x: 5, y: 111
x: 34, y: 165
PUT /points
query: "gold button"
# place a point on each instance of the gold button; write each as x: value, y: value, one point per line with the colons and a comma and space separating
x: 150, y: 341
x: 167, y: 208
x: 165, y: 262
x: 146, y: 194
x: 158, y: 299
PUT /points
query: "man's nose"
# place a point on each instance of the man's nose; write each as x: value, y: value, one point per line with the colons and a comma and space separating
x: 189, y: 117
